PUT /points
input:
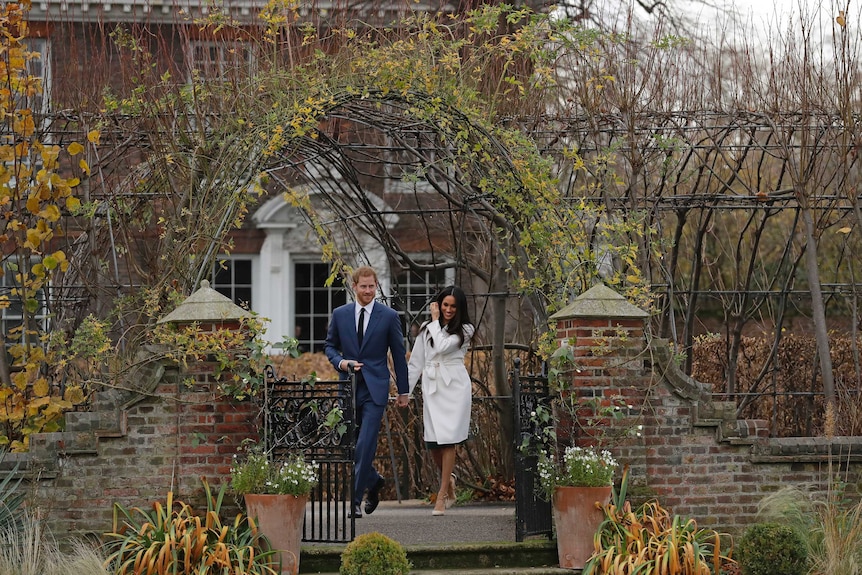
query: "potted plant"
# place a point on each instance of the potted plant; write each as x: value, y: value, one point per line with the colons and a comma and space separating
x: 575, y: 465
x: 579, y: 485
x: 275, y: 495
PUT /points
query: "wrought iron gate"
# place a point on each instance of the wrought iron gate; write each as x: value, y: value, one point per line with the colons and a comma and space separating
x: 532, y: 512
x: 316, y: 418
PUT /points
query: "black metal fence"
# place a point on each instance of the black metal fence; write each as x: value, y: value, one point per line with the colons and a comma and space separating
x: 316, y: 418
x: 532, y: 510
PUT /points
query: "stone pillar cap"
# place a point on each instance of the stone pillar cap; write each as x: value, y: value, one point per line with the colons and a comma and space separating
x: 600, y: 301
x: 206, y: 305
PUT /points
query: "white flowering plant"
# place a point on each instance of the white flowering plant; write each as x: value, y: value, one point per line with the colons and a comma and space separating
x: 579, y: 467
x: 257, y: 474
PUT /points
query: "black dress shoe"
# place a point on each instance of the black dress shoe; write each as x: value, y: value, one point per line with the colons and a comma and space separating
x: 373, y: 498
x: 356, y: 512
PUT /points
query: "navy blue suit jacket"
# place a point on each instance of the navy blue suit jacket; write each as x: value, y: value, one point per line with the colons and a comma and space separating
x: 382, y: 334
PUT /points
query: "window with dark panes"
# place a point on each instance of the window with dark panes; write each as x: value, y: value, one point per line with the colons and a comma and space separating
x: 314, y: 302
x: 412, y: 292
x: 232, y: 278
x: 215, y: 60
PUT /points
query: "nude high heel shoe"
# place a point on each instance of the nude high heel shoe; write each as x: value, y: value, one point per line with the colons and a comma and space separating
x: 437, y: 510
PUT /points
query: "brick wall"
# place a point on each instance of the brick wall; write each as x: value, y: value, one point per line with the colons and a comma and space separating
x: 691, y: 452
x: 686, y: 449
x: 135, y: 447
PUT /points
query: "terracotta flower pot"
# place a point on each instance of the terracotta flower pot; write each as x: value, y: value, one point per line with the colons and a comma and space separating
x: 576, y: 519
x: 280, y: 518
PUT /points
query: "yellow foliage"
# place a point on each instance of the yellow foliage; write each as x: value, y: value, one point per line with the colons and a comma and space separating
x: 50, y: 155
x: 75, y: 394
x: 33, y: 204
x: 30, y: 208
x: 34, y: 239
x: 73, y: 204
x: 20, y: 380
x: 50, y: 213
x: 41, y: 387
x: 23, y: 124
x: 58, y: 258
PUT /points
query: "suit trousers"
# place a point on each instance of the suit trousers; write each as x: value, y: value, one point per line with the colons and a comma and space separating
x: 369, y: 416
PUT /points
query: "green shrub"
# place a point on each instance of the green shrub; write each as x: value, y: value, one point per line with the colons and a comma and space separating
x: 772, y: 549
x: 374, y: 554
x: 829, y: 525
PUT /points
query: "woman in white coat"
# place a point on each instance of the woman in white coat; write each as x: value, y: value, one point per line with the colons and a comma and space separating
x: 447, y: 392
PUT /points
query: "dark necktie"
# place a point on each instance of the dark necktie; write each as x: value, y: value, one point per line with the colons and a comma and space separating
x: 360, y: 331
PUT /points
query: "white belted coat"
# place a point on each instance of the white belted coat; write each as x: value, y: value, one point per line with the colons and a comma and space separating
x: 447, y: 393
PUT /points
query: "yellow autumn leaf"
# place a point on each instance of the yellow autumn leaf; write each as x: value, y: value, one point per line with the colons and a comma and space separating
x: 39, y: 401
x: 34, y: 239
x: 59, y: 255
x: 50, y: 156
x: 20, y: 380
x: 50, y: 262
x: 73, y: 204
x: 75, y: 395
x: 93, y: 136
x: 845, y: 230
x: 40, y: 387
x: 51, y: 213
x: 33, y: 204
x: 84, y: 166
x: 54, y: 409
x: 75, y: 148
x: 23, y: 124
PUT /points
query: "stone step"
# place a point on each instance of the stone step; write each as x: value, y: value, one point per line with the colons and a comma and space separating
x: 489, y: 571
x: 536, y: 557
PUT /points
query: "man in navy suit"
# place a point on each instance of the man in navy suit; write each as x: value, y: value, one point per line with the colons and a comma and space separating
x: 360, y: 337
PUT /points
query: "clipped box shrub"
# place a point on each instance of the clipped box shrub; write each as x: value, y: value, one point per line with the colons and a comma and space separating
x: 374, y: 554
x: 772, y: 549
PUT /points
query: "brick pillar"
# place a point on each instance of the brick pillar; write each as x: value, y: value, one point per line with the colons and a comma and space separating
x: 606, y: 336
x: 209, y: 427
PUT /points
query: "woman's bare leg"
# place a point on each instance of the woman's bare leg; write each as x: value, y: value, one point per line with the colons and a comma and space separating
x: 447, y: 466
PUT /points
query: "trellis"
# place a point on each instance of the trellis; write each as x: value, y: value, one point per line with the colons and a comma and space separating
x: 715, y: 188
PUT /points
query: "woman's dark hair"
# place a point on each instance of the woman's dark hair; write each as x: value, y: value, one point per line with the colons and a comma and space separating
x: 462, y: 316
